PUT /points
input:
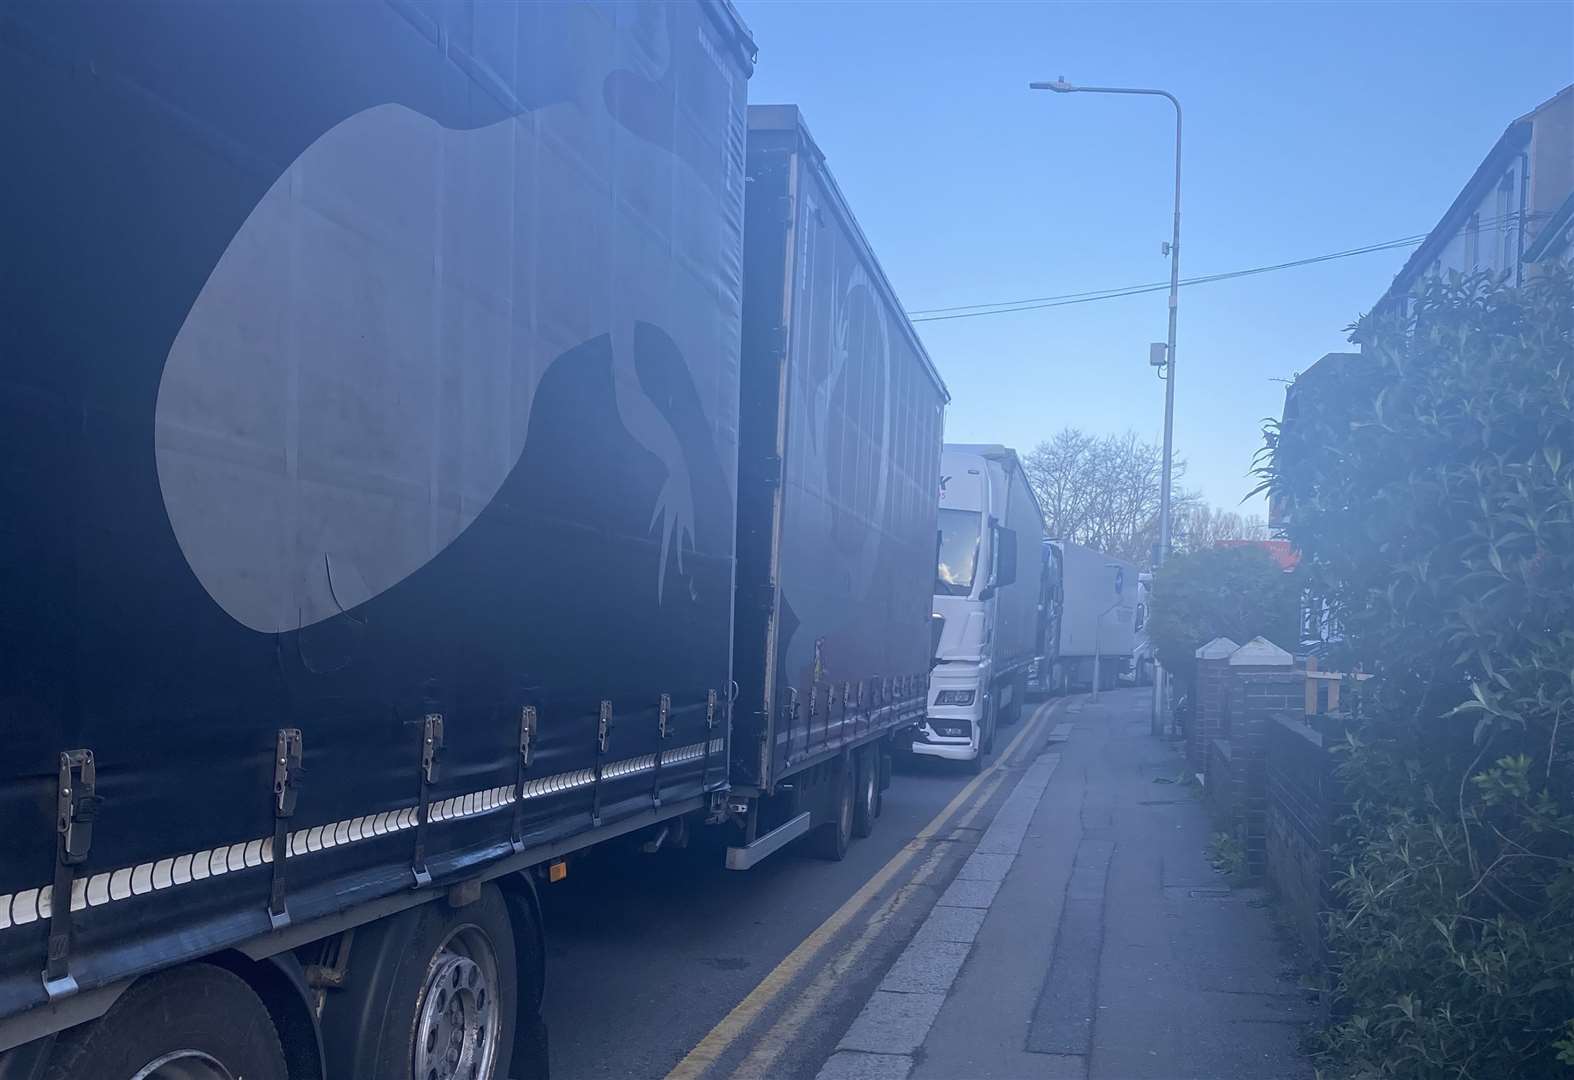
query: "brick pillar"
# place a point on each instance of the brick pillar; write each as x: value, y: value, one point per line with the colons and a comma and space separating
x: 1213, y: 666
x: 1263, y: 684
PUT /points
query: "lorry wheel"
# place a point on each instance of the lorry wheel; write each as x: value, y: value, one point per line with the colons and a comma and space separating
x: 1012, y: 713
x: 867, y: 807
x: 831, y: 839
x: 432, y: 994
x: 197, y: 1022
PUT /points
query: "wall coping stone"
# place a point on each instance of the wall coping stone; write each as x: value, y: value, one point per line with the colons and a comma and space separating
x: 1217, y: 649
x: 1260, y: 652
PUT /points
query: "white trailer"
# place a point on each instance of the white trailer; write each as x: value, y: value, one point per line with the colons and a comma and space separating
x: 1098, y: 616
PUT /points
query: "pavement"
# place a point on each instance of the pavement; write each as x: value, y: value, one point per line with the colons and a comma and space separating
x: 1086, y: 937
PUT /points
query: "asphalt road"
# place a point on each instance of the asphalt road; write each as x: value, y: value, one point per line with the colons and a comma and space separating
x: 647, y: 954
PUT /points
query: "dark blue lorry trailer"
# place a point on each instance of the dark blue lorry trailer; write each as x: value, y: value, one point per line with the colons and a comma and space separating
x: 369, y: 408
x: 839, y: 466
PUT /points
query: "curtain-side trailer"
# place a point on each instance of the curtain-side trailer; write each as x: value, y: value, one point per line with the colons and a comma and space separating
x: 838, y: 469
x: 370, y: 420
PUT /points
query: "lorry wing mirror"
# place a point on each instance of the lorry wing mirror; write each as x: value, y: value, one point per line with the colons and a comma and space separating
x: 1005, y: 556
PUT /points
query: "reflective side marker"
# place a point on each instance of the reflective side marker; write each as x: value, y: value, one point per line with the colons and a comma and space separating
x: 557, y: 871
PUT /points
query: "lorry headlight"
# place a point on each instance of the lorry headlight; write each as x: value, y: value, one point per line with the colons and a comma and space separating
x: 954, y: 697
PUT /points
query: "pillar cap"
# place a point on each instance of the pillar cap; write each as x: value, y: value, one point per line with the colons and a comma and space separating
x: 1260, y: 652
x: 1217, y: 649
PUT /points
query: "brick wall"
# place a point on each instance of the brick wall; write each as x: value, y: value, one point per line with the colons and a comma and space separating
x: 1220, y: 792
x: 1255, y: 697
x: 1304, y: 803
x: 1271, y: 782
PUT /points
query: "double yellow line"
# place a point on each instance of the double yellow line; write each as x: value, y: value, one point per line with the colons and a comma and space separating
x: 725, y: 1034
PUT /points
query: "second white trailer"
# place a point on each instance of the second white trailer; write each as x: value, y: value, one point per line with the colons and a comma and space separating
x: 1099, y: 597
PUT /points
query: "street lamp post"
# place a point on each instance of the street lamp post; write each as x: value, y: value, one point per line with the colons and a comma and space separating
x: 1061, y: 86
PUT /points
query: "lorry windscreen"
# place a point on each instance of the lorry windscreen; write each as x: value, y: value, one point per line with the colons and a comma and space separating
x: 959, y: 533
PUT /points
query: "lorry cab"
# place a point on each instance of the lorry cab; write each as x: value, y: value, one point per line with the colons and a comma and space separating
x: 987, y: 594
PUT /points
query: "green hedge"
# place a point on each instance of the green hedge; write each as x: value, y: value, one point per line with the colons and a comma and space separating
x: 1429, y: 485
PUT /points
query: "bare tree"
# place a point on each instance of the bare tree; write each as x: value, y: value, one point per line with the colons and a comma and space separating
x: 1062, y: 472
x: 1103, y: 491
x: 1201, y: 526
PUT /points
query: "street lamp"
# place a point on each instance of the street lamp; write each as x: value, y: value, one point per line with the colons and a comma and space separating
x: 1061, y: 86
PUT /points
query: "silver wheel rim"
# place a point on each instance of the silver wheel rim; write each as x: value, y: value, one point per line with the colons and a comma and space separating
x: 458, y: 1018
x: 184, y: 1065
x: 870, y: 785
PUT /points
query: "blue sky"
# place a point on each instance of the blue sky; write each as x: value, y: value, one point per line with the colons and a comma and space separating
x: 1310, y: 128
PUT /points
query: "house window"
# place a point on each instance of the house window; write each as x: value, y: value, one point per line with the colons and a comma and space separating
x: 1473, y: 243
x: 1505, y: 220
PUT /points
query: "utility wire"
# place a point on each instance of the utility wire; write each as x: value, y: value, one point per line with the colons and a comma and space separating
x: 1036, y: 303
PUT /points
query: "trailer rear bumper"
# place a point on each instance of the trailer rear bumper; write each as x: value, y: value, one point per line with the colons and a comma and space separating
x: 743, y: 858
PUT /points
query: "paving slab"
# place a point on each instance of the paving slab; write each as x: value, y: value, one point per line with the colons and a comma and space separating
x: 967, y: 893
x: 892, y: 1023
x: 926, y: 967
x: 951, y: 924
x: 857, y: 1065
x: 987, y: 866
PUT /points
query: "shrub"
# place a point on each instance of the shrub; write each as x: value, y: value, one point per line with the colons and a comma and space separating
x: 1429, y: 485
x: 1238, y: 593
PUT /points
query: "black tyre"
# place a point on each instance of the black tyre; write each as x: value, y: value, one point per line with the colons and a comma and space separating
x: 1012, y: 713
x: 197, y: 1022
x: 830, y: 840
x: 432, y: 994
x: 867, y: 806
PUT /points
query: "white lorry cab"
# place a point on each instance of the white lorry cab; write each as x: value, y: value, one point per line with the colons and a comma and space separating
x: 988, y: 591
